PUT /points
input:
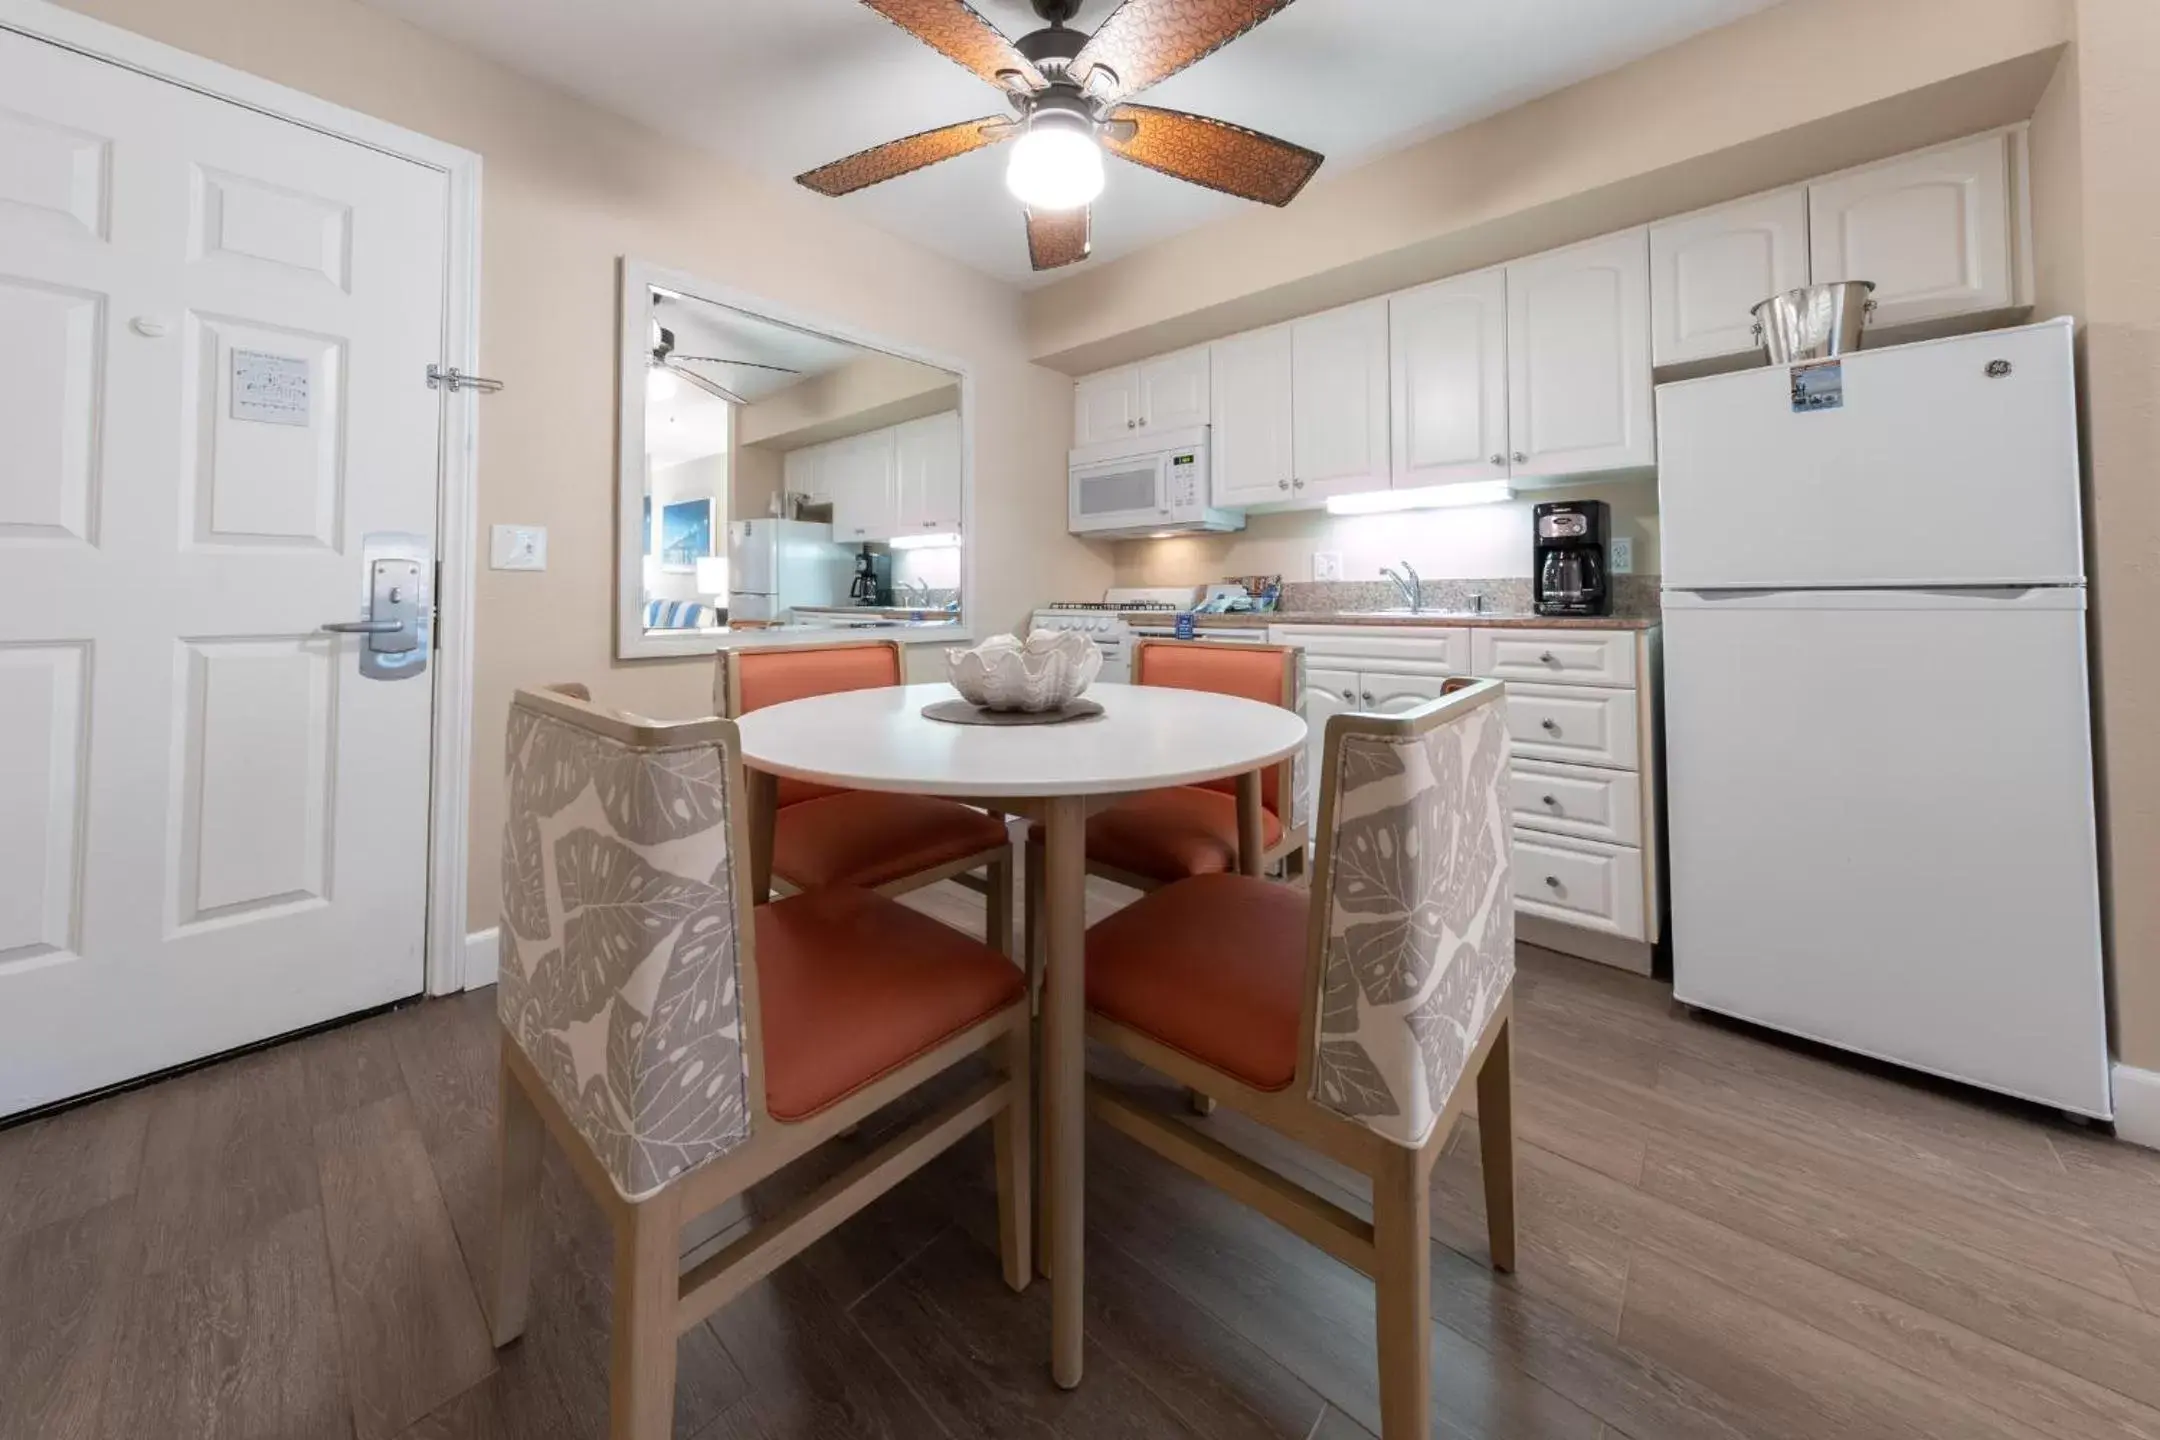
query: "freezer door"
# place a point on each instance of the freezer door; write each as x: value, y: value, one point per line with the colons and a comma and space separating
x: 1881, y: 823
x: 1953, y: 462
x: 750, y: 557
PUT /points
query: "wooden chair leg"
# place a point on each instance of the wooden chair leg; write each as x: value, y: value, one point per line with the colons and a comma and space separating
x: 1496, y: 1146
x: 1012, y: 1133
x: 518, y: 1137
x: 997, y: 906
x: 1402, y: 1216
x: 1031, y: 928
x: 641, y: 1370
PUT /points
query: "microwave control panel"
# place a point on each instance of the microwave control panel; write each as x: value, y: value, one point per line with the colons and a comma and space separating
x: 1185, y: 482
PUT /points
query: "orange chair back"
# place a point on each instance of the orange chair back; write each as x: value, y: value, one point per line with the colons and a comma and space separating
x: 1267, y: 673
x: 772, y: 675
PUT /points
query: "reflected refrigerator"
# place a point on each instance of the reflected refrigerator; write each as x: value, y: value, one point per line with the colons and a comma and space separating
x: 777, y: 565
x: 1878, y: 728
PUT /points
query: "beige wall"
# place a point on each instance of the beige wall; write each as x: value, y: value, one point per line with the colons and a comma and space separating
x: 864, y: 394
x: 568, y: 189
x: 759, y: 474
x: 1796, y: 91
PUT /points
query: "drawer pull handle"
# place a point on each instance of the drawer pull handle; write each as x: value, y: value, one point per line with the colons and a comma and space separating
x: 1551, y: 725
x: 1553, y: 881
x: 1555, y: 804
x: 1349, y: 697
x: 1549, y: 658
x: 1368, y: 697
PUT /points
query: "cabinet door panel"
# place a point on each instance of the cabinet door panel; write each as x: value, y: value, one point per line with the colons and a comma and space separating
x: 926, y: 475
x: 864, y: 504
x: 1327, y: 693
x: 1340, y: 393
x: 1709, y: 271
x: 1388, y: 694
x: 1931, y: 230
x: 1447, y: 374
x: 1250, y: 443
x: 1106, y: 406
x: 1580, y: 397
x: 1174, y: 390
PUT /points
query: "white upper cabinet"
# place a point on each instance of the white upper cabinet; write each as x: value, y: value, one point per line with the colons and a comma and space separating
x: 1169, y: 392
x: 1250, y: 444
x: 803, y: 473
x: 1448, y: 353
x: 859, y: 474
x: 926, y: 475
x: 1174, y: 390
x: 1339, y: 392
x: 1932, y: 230
x: 1709, y: 270
x: 1580, y: 396
x: 1106, y: 406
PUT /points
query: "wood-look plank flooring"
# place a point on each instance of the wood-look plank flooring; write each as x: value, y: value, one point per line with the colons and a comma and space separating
x: 1722, y: 1236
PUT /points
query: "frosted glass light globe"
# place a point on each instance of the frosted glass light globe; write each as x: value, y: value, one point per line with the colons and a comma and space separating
x: 1055, y: 167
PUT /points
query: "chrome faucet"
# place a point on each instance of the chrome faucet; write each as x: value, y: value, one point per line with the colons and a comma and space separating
x: 1413, y: 589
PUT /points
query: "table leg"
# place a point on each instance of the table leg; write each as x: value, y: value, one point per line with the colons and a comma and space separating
x: 764, y: 814
x: 1251, y: 839
x: 1065, y: 1074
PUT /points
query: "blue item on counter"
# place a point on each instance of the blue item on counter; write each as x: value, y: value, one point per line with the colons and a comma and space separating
x: 1184, y: 625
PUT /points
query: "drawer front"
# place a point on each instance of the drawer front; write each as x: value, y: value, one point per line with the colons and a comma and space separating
x: 1567, y: 723
x: 1572, y: 657
x: 1408, y: 650
x: 1580, y: 882
x: 1577, y: 800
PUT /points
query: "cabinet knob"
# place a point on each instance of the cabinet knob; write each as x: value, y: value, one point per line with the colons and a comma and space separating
x: 1298, y: 484
x: 1349, y: 697
x: 1143, y: 419
x: 1130, y: 423
x: 1553, y: 881
x: 1499, y: 459
x: 1282, y: 485
x: 1520, y: 458
x: 1548, y: 657
x: 1368, y: 697
x: 1555, y: 804
x: 1551, y: 725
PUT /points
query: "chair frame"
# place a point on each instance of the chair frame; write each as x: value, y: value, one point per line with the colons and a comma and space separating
x: 655, y: 1299
x: 996, y: 862
x: 1394, y: 1247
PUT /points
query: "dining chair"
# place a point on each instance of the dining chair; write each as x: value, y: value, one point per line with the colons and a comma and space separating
x: 681, y: 1044
x: 1167, y: 835
x: 1346, y: 1017
x: 884, y: 842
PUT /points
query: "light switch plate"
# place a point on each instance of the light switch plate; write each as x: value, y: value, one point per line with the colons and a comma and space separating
x: 1326, y: 566
x: 1621, y: 554
x: 517, y: 547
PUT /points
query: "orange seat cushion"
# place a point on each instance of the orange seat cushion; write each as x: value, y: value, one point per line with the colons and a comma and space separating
x: 772, y: 677
x: 1172, y: 834
x: 867, y: 838
x: 1212, y: 967
x: 852, y: 986
x: 1250, y: 672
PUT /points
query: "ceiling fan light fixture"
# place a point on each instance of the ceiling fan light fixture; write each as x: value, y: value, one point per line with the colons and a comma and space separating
x: 1056, y: 165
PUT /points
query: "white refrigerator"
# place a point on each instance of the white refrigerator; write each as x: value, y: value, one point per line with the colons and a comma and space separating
x: 775, y: 565
x: 1878, y: 732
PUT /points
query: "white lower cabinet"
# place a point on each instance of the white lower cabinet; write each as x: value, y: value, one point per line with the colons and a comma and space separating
x: 1582, y: 778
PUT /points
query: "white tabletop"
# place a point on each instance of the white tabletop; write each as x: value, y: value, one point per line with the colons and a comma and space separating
x: 1147, y: 737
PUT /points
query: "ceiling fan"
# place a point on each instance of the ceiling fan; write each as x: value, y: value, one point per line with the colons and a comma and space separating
x: 665, y: 360
x: 1070, y: 91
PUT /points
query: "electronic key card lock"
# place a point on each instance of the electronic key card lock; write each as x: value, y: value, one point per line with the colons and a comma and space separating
x: 397, y: 606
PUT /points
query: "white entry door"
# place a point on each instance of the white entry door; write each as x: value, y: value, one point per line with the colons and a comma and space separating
x: 214, y: 332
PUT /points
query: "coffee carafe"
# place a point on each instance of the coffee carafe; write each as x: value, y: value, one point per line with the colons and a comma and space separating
x: 1568, y: 558
x: 873, y: 579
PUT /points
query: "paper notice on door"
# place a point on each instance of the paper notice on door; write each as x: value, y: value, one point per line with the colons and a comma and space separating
x: 1818, y: 386
x: 269, y: 388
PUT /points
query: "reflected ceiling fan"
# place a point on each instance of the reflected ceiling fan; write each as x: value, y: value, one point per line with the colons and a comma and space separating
x: 666, y: 360
x: 1070, y: 92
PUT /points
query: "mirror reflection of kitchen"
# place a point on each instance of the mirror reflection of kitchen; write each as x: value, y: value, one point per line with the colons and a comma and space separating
x: 793, y: 480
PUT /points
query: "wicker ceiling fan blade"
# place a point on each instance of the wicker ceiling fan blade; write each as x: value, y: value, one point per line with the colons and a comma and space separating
x: 1059, y: 237
x: 954, y: 30
x: 1147, y: 41
x: 1213, y: 153
x: 743, y: 364
x: 899, y: 157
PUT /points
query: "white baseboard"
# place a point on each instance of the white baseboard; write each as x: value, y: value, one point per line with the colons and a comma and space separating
x: 2137, y: 1106
x: 480, y: 957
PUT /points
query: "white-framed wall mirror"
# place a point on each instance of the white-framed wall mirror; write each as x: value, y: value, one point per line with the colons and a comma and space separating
x: 780, y: 480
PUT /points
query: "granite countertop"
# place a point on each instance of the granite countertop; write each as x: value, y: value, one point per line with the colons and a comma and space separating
x: 1250, y: 621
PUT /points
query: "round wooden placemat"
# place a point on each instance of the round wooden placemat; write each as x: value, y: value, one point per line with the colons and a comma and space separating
x: 962, y: 712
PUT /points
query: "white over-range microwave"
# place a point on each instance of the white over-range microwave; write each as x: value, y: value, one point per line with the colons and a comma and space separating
x: 1148, y: 485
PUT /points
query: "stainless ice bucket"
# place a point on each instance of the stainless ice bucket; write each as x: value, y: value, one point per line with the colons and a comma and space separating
x: 1814, y: 322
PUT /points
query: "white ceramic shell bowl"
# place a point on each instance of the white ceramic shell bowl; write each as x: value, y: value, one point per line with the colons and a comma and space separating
x: 1047, y: 671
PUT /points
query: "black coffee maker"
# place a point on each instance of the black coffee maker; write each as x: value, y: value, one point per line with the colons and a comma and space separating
x: 1568, y: 558
x: 873, y: 579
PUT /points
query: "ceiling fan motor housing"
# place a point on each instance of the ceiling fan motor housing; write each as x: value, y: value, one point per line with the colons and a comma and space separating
x: 1051, y: 50
x: 1056, y: 12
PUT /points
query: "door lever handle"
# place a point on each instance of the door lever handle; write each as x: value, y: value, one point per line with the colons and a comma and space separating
x: 365, y: 627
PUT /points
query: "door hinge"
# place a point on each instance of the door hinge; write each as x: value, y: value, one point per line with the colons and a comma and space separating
x: 455, y: 380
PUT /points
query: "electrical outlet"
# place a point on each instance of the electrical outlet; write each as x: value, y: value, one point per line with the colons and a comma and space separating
x: 517, y: 547
x: 1326, y: 566
x: 1622, y: 555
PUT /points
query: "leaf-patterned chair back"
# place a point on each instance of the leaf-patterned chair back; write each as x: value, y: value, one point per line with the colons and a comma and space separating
x: 1417, y: 906
x: 625, y: 934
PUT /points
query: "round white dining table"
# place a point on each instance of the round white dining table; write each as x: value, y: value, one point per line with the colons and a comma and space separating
x: 1147, y: 738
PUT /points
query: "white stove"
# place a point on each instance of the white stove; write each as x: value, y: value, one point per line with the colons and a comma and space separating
x: 1126, y: 614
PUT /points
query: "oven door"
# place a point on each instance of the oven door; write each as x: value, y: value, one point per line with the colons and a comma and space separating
x: 1120, y: 495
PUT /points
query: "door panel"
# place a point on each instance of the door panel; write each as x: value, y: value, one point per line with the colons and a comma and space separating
x: 1249, y: 446
x: 212, y: 829
x: 1174, y: 391
x: 1709, y: 271
x: 1580, y: 396
x: 1339, y: 398
x: 1448, y: 370
x: 1932, y: 231
x: 1106, y: 406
